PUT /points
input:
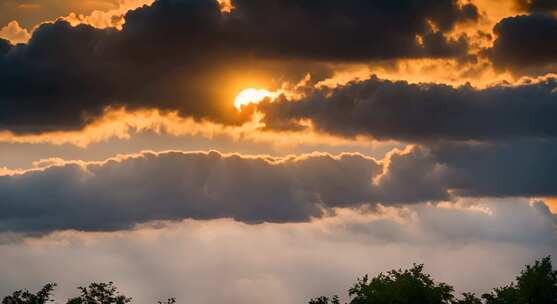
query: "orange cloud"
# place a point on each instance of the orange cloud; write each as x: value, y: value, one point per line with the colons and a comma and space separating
x: 119, y: 123
x: 551, y: 202
x: 105, y: 19
x: 99, y: 18
x: 225, y: 6
x: 443, y: 71
x: 14, y: 33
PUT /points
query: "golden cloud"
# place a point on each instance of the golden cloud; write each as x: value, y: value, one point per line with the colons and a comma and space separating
x: 120, y: 124
x: 14, y: 33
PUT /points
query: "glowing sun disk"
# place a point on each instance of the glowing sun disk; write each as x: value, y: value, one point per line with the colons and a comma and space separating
x: 251, y: 95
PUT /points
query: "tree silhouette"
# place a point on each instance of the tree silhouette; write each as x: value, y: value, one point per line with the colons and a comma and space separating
x: 100, y: 293
x: 25, y: 297
x: 468, y: 298
x: 502, y: 295
x: 325, y: 300
x: 536, y: 284
x: 95, y: 293
x: 401, y: 286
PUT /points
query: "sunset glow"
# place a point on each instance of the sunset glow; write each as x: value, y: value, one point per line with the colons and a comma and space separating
x: 251, y: 95
x: 276, y: 151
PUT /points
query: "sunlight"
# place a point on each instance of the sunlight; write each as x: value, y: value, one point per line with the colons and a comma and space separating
x: 251, y: 95
x: 225, y: 6
x: 551, y: 203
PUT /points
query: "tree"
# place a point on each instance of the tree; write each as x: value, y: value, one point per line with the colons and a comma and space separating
x: 402, y: 287
x: 100, y: 293
x: 502, y: 295
x: 325, y: 300
x: 95, y: 293
x: 537, y: 284
x: 25, y: 297
x: 468, y: 298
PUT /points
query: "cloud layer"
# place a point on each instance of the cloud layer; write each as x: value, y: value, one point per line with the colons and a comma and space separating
x: 533, y: 31
x: 423, y: 112
x: 179, y: 55
x: 128, y: 190
x: 279, y: 263
x: 186, y: 56
x: 172, y: 186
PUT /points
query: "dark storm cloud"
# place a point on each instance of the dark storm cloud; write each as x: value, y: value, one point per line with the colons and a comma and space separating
x: 5, y: 46
x: 118, y: 194
x: 537, y: 5
x: 173, y: 54
x: 423, y: 112
x: 519, y: 168
x: 350, y: 30
x: 173, y: 186
x: 525, y: 41
x: 445, y: 170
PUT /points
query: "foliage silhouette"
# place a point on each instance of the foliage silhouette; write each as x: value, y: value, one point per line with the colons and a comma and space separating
x: 398, y: 286
x: 536, y: 284
x: 325, y: 300
x: 468, y: 298
x: 95, y: 293
x: 100, y: 293
x: 43, y: 296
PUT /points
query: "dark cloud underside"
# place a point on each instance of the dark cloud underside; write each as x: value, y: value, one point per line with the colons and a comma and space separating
x: 173, y: 186
x: 525, y: 41
x: 173, y: 55
x: 424, y: 112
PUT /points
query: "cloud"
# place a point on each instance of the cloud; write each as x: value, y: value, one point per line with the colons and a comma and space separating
x: 132, y: 189
x: 351, y: 30
x: 5, y: 46
x: 186, y: 55
x: 534, y: 31
x: 517, y: 168
x: 423, y: 112
x: 413, y: 176
x: 123, y: 125
x: 536, y: 5
x: 278, y: 263
x: 31, y: 13
x: 448, y: 170
x: 99, y: 14
x: 112, y: 18
x: 121, y: 192
x: 14, y: 33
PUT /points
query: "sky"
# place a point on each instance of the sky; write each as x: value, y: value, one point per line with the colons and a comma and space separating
x: 249, y: 151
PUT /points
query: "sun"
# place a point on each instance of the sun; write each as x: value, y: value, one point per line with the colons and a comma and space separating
x: 251, y: 95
